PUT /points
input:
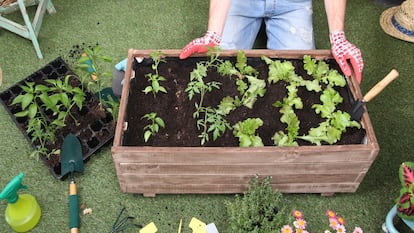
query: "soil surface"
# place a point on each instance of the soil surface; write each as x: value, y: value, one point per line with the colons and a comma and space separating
x: 177, y: 110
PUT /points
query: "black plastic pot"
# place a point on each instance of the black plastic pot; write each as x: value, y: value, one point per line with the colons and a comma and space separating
x: 94, y: 131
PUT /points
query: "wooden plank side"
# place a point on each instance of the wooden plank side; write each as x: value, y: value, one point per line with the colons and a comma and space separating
x: 250, y: 168
x: 242, y: 178
x: 153, y: 189
x: 217, y: 155
x: 288, y: 54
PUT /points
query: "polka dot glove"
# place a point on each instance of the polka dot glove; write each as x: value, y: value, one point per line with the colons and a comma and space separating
x: 343, y: 51
x: 200, y: 45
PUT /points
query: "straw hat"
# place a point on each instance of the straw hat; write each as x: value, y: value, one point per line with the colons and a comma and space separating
x: 398, y: 21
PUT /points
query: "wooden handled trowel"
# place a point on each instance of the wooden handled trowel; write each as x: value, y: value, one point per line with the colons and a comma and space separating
x: 357, y: 109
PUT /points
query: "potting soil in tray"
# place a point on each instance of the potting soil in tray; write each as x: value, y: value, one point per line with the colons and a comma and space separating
x: 95, y: 125
x: 175, y: 108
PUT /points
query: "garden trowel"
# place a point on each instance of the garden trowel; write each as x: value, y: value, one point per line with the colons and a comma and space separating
x: 357, y: 109
x: 71, y: 161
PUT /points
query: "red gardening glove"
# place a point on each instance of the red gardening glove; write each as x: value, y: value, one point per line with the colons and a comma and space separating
x: 343, y: 51
x: 200, y: 45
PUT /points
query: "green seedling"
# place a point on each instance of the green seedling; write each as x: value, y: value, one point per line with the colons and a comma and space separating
x: 209, y: 119
x: 57, y: 96
x: 112, y: 106
x: 155, y: 78
x: 212, y: 122
x: 154, y: 126
x: 250, y: 87
x: 92, y: 70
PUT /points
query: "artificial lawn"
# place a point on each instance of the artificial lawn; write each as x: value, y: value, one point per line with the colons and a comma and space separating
x: 165, y: 24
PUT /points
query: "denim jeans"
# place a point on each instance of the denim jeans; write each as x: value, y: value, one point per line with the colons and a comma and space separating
x: 288, y: 24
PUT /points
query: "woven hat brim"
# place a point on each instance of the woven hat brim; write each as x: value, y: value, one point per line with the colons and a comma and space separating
x: 388, y: 27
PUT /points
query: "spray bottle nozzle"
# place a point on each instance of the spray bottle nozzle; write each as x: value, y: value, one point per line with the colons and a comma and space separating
x: 9, y: 193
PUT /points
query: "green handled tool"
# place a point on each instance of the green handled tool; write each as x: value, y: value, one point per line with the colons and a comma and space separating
x: 71, y: 161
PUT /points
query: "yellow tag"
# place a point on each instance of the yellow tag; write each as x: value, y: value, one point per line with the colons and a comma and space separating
x: 197, y: 226
x: 150, y: 228
x: 179, y: 226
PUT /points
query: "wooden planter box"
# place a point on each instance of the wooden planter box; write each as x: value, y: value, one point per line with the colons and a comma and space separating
x: 301, y: 169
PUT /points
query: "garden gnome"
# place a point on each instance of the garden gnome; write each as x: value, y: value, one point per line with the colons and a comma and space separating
x: 398, y: 21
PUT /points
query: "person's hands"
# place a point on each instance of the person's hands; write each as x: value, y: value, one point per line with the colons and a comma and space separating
x: 200, y: 45
x: 343, y: 51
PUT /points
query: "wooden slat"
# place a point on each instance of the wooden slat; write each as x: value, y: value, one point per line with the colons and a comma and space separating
x: 239, y: 155
x: 251, y: 168
x: 153, y: 189
x: 241, y: 178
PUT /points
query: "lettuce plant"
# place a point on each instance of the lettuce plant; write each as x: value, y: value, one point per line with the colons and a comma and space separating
x: 246, y: 132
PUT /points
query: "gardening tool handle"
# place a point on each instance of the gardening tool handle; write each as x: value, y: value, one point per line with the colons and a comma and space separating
x: 380, y: 85
x: 73, y: 208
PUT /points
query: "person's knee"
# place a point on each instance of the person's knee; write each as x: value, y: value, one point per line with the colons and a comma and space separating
x: 117, y: 82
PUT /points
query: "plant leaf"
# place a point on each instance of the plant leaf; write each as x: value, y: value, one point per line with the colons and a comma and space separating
x: 147, y: 135
x: 160, y: 122
x: 407, y: 174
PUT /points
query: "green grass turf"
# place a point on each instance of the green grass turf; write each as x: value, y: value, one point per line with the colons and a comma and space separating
x: 165, y: 24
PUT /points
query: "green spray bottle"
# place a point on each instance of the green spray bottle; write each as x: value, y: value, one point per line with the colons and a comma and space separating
x: 22, y: 212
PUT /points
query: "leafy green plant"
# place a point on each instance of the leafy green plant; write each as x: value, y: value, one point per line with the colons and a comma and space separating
x: 289, y: 117
x: 285, y: 71
x: 196, y: 85
x: 92, y: 71
x: 321, y: 72
x: 259, y: 210
x: 246, y: 132
x: 155, y: 78
x: 336, y: 123
x: 212, y: 122
x: 329, y: 131
x: 112, y: 106
x: 250, y: 87
x: 209, y: 119
x: 155, y: 123
x: 281, y: 138
x: 60, y: 97
x: 57, y: 96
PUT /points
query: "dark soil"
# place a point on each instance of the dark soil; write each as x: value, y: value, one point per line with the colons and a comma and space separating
x: 176, y: 109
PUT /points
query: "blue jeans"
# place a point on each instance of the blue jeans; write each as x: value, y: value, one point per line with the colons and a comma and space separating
x: 288, y: 24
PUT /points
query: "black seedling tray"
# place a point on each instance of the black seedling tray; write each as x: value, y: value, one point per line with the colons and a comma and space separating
x: 95, y: 130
